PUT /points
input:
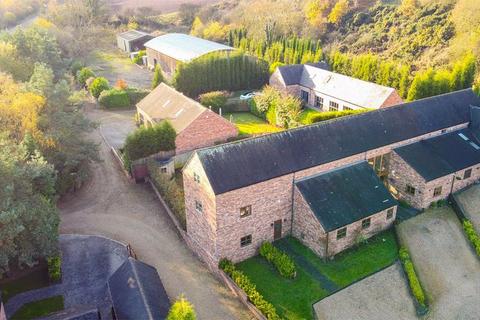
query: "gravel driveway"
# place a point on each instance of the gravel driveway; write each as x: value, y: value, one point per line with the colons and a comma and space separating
x: 112, y: 206
x: 447, y: 266
x: 116, y: 125
x: 384, y: 295
x: 469, y: 199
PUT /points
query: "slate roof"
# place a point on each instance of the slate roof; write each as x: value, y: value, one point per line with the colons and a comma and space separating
x: 166, y: 103
x: 239, y: 164
x: 345, y: 195
x: 137, y: 292
x: 437, y: 157
x: 184, y: 47
x: 355, y: 91
x: 133, y: 35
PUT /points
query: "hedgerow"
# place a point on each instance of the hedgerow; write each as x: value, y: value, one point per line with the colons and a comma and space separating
x: 265, y: 307
x: 114, y: 98
x: 413, y: 280
x: 214, y: 99
x: 282, y: 262
x: 472, y: 235
x: 54, y: 268
x: 335, y: 114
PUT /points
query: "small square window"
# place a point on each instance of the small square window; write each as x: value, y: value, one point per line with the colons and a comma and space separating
x: 437, y: 191
x: 467, y: 174
x: 198, y: 206
x: 389, y: 213
x: 245, y: 241
x: 341, y: 233
x: 366, y: 223
x: 196, y: 177
x: 333, y: 106
x: 245, y: 211
x: 318, y: 102
x: 410, y: 190
x: 163, y: 170
x: 345, y: 108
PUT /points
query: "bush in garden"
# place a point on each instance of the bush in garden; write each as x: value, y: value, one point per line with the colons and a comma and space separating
x: 89, y: 82
x: 83, y: 74
x: 413, y: 280
x: 157, y: 77
x: 472, y: 235
x: 323, y: 116
x: 75, y: 67
x: 139, y: 57
x: 121, y: 84
x: 182, y: 309
x: 98, y: 85
x: 282, y: 262
x: 54, y: 268
x: 114, y: 98
x: 214, y: 99
x: 136, y: 94
x: 244, y: 283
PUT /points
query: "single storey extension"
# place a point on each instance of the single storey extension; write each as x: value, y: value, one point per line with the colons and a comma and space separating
x: 336, y: 209
x: 240, y: 194
x: 132, y: 40
x: 324, y: 90
x: 430, y: 170
x: 170, y: 49
x: 196, y: 126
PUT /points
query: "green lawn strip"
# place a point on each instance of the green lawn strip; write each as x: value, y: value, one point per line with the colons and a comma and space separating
x: 39, y: 308
x: 248, y: 123
x: 33, y: 280
x: 317, y: 278
x: 305, y: 116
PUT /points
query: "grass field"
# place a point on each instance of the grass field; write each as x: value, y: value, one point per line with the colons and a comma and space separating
x: 38, y: 278
x: 249, y: 124
x: 39, y: 308
x: 317, y: 278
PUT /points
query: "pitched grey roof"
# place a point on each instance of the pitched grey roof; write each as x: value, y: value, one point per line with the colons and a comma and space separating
x: 166, y: 103
x: 133, y: 35
x: 355, y: 91
x: 437, y: 157
x: 345, y: 195
x: 243, y: 163
x: 184, y: 47
x: 137, y: 292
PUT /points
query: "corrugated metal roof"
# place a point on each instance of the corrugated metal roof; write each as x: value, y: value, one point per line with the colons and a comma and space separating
x: 137, y: 292
x: 355, y: 91
x: 132, y: 35
x: 184, y: 47
x: 437, y: 157
x: 238, y: 164
x: 166, y: 103
x: 345, y: 195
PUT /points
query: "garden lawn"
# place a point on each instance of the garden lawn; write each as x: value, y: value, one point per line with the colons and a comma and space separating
x: 39, y: 308
x: 36, y: 279
x: 306, y: 116
x: 316, y: 278
x: 249, y: 124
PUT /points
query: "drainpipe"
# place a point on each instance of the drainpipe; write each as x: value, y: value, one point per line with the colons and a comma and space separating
x: 292, y: 206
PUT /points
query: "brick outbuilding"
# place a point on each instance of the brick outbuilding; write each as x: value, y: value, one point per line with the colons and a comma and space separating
x: 196, y: 126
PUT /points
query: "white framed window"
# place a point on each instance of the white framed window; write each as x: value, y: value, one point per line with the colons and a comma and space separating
x: 333, y: 106
x: 341, y: 233
x: 437, y: 191
x: 245, y: 241
x: 318, y: 102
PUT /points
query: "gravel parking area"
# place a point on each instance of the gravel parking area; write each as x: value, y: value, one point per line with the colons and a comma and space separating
x: 469, y: 199
x: 384, y: 295
x: 116, y: 125
x: 445, y: 263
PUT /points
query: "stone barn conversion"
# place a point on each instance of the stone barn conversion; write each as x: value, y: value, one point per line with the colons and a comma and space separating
x: 132, y: 40
x: 170, y: 49
x: 243, y: 193
x: 324, y: 90
x: 196, y: 126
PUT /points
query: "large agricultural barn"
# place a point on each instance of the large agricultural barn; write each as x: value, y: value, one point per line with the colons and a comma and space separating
x: 170, y: 49
x: 241, y: 194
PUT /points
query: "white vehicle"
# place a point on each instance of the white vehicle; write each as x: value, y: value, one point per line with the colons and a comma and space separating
x: 248, y: 95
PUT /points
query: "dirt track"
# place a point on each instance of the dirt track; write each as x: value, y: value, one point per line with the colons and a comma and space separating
x: 112, y: 206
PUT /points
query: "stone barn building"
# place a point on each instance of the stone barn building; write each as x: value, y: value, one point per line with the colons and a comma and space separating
x: 132, y: 40
x: 196, y: 126
x: 240, y: 194
x: 170, y: 49
x: 324, y: 90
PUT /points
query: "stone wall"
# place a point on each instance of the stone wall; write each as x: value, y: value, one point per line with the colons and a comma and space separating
x: 306, y: 226
x: 167, y: 64
x: 206, y: 130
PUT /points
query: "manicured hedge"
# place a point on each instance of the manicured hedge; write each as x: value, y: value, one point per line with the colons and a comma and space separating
x: 472, y: 235
x: 114, y: 98
x: 98, y: 85
x: 335, y: 114
x: 136, y: 95
x: 214, y: 99
x: 54, y: 268
x: 413, y: 280
x: 282, y: 262
x: 265, y: 307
